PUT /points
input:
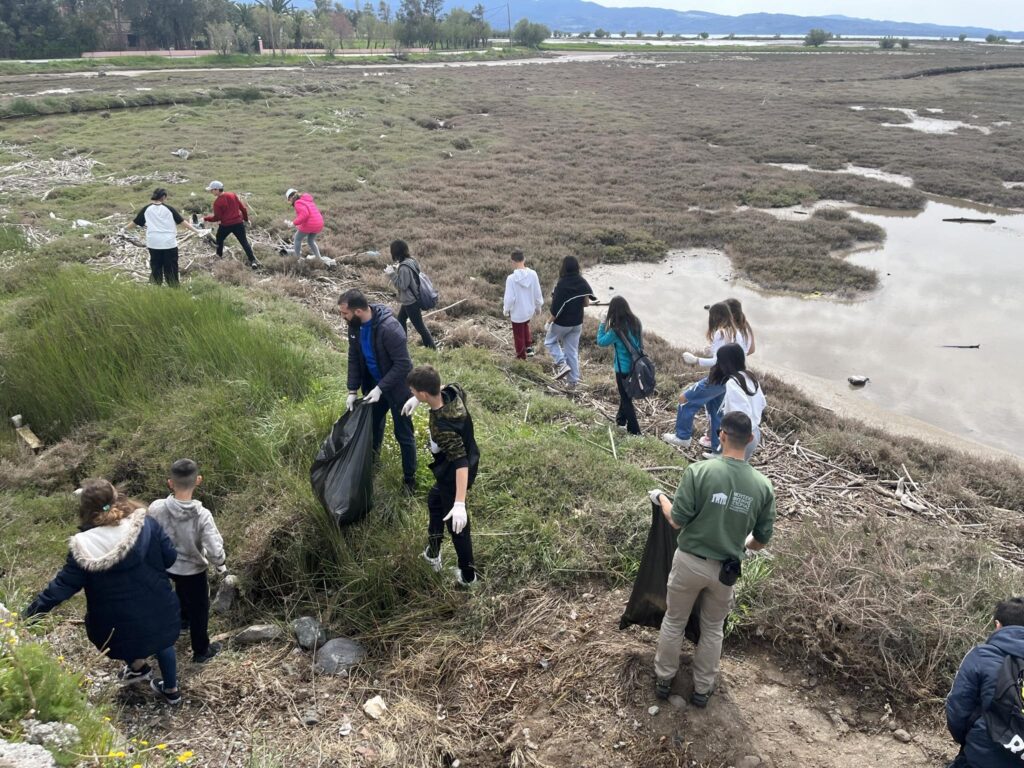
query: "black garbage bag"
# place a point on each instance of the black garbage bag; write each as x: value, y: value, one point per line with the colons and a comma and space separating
x: 647, y: 603
x: 342, y: 473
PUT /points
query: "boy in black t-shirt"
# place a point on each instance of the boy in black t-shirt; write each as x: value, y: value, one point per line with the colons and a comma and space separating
x: 456, y: 458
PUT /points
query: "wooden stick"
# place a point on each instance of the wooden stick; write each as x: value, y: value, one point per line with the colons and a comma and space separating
x: 442, y: 309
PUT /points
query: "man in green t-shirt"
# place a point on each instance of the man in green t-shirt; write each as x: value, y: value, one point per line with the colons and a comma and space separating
x: 723, y: 506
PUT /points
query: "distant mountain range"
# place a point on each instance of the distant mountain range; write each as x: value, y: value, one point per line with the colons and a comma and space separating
x: 579, y: 16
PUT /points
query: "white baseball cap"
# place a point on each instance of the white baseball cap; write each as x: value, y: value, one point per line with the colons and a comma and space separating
x: 290, y: 192
x: 214, y: 185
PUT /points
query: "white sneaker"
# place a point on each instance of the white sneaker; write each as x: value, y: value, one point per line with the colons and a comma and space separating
x: 705, y: 441
x: 460, y: 581
x: 671, y: 439
x: 433, y: 562
x: 562, y: 371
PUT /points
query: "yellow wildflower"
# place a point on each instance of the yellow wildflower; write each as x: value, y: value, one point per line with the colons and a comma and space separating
x: 184, y: 757
x: 161, y: 746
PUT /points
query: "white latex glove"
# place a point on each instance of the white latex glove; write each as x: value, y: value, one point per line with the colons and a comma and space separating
x: 288, y: 223
x: 434, y: 447
x: 373, y: 396
x: 547, y: 327
x: 457, y: 516
x: 389, y: 269
x: 656, y: 495
x: 350, y: 401
x: 689, y: 357
x: 410, y: 406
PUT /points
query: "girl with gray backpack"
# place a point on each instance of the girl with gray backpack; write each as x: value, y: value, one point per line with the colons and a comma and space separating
x: 413, y: 289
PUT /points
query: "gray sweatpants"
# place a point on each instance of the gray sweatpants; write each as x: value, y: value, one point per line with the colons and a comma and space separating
x: 310, y: 238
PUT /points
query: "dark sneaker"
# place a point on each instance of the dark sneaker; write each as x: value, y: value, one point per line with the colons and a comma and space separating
x: 211, y: 651
x: 255, y: 264
x: 409, y: 485
x: 173, y: 699
x: 663, y: 689
x: 530, y: 352
x: 700, y: 699
x: 129, y: 675
x: 185, y: 627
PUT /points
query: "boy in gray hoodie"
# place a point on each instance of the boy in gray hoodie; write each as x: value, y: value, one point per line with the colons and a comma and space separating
x: 194, y: 533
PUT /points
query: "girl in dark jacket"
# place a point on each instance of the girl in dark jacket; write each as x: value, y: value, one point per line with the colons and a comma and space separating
x: 571, y: 295
x: 120, y: 558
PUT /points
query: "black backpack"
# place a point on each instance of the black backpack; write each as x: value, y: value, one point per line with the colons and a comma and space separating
x: 640, y: 380
x: 1005, y: 715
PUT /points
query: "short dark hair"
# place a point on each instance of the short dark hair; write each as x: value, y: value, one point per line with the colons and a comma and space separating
x: 353, y: 298
x: 424, y: 378
x: 1010, y: 612
x: 184, y: 473
x: 158, y: 194
x: 518, y: 256
x: 399, y: 250
x: 736, y: 425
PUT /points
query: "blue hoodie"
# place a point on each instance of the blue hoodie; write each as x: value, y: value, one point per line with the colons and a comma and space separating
x: 972, y: 692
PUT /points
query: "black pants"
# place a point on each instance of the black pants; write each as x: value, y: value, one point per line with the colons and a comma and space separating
x: 238, y: 230
x: 404, y: 434
x: 626, y: 416
x: 163, y: 265
x: 439, y: 504
x: 415, y: 313
x: 194, y: 596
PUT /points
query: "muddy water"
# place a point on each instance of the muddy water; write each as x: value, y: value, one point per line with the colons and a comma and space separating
x: 940, y: 283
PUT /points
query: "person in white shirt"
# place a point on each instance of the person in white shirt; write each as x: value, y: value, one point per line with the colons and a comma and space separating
x: 523, y: 300
x: 161, y: 222
x: 743, y: 393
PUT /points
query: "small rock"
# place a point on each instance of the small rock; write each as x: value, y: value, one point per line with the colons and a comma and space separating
x: 543, y: 663
x: 677, y: 701
x: 258, y: 633
x: 310, y: 718
x: 53, y: 736
x: 22, y: 755
x: 337, y: 655
x: 309, y: 633
x: 653, y: 710
x: 901, y: 735
x: 748, y: 761
x: 375, y: 708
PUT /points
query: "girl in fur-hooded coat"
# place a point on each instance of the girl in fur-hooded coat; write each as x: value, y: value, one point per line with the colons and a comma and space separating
x: 120, y: 558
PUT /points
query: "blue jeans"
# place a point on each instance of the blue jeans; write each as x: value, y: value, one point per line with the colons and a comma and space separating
x: 168, y: 662
x: 563, y: 343
x: 405, y: 435
x: 701, y: 395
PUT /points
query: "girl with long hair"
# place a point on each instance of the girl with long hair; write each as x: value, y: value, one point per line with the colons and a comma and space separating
x: 404, y: 273
x: 742, y: 391
x: 120, y: 558
x: 620, y: 324
x: 742, y: 324
x: 571, y: 295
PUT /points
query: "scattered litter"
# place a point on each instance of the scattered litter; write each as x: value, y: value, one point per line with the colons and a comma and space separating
x: 375, y: 708
x: 182, y: 153
x: 962, y: 220
x: 26, y: 433
x: 81, y: 224
x: 961, y: 346
x: 345, y: 729
x: 858, y: 381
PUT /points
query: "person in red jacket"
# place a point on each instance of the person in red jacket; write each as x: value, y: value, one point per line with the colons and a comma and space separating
x: 308, y: 221
x: 231, y: 215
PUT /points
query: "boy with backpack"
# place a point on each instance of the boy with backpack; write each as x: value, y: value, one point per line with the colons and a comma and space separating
x: 194, y: 534
x: 456, y: 459
x: 983, y: 709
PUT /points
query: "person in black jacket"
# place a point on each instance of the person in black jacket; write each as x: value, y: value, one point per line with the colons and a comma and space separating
x: 456, y: 459
x: 572, y: 293
x: 974, y: 688
x: 120, y: 558
x: 378, y: 362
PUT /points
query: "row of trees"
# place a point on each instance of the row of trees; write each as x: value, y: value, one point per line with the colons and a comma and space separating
x: 52, y: 28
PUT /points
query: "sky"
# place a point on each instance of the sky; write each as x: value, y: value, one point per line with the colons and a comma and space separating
x: 996, y: 14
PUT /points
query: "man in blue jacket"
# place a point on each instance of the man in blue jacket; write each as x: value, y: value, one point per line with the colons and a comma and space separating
x: 974, y: 687
x: 378, y: 364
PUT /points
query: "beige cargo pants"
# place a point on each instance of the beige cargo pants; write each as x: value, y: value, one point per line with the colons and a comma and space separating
x: 691, y: 577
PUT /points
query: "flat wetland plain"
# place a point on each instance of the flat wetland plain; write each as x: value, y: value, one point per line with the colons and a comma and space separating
x: 618, y: 161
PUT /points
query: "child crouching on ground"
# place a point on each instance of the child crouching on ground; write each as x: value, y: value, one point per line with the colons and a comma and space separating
x: 456, y: 458
x: 192, y: 529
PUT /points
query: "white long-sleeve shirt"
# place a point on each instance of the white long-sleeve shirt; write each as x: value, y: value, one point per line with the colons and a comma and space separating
x: 523, y: 297
x: 738, y: 400
x: 718, y: 341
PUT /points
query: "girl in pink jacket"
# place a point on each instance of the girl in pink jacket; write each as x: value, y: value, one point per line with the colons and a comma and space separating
x: 308, y: 221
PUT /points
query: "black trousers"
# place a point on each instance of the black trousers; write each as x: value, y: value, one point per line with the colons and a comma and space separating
x: 238, y: 230
x: 405, y: 434
x: 194, y: 596
x: 163, y: 265
x: 439, y: 504
x: 415, y: 313
x: 626, y: 416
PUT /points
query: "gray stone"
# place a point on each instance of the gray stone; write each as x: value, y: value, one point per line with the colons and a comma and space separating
x: 749, y: 761
x: 309, y: 633
x: 60, y: 736
x: 22, y: 755
x: 258, y: 633
x: 677, y: 701
x: 653, y: 710
x: 337, y: 655
x: 310, y: 718
x: 901, y: 735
